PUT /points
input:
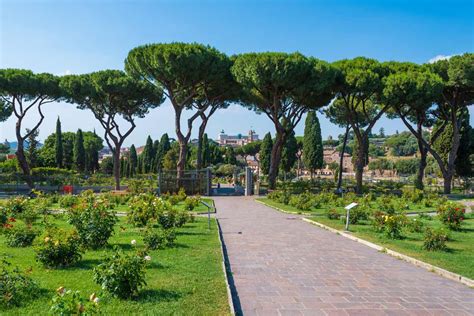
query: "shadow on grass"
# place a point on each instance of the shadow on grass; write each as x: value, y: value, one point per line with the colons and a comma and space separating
x: 184, y: 233
x: 88, y: 264
x: 158, y: 295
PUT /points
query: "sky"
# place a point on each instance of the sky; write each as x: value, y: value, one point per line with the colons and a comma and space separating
x: 80, y: 36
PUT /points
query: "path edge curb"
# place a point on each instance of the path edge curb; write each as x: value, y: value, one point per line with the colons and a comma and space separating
x: 281, y: 210
x: 440, y: 271
x: 224, y: 262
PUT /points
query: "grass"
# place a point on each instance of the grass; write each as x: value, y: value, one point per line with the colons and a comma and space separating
x: 459, y: 258
x: 185, y: 279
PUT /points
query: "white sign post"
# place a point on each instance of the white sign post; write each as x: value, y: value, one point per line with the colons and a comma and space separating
x: 348, y: 210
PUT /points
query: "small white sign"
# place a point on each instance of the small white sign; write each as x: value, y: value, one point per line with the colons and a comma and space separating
x: 348, y: 207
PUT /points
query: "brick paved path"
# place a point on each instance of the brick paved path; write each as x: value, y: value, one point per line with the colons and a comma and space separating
x: 289, y: 267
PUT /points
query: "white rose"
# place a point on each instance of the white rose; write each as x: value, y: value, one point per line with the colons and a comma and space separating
x: 147, y: 258
x: 133, y: 242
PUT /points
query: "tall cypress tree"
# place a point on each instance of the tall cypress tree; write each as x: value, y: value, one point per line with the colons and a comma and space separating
x: 164, y: 147
x: 79, y: 151
x: 266, y: 153
x: 156, y: 147
x: 288, y: 155
x: 147, y: 155
x: 206, y: 154
x: 59, y: 145
x: 133, y: 160
x: 312, y: 143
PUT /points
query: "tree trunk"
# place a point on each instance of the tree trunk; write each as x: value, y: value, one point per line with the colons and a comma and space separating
x: 116, y: 157
x: 360, y: 164
x: 341, y: 159
x: 202, y: 129
x: 20, y: 156
x: 421, y: 167
x: 275, y: 159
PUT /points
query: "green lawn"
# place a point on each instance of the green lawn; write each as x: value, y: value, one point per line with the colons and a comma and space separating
x: 185, y: 279
x: 459, y: 258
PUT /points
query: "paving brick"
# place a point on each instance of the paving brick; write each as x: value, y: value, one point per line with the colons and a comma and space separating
x: 289, y: 267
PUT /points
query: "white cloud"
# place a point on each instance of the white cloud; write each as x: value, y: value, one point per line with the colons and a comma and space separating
x: 439, y: 57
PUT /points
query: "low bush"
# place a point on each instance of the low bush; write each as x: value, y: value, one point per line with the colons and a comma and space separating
x: 159, y: 238
x: 303, y: 201
x: 58, y: 248
x: 191, y: 202
x: 181, y: 195
x: 122, y: 275
x: 378, y: 221
x: 413, y: 195
x: 393, y: 226
x: 16, y: 288
x: 68, y: 302
x: 357, y: 214
x: 435, y: 240
x: 17, y: 205
x: 332, y: 213
x: 170, y: 217
x: 388, y: 204
x: 68, y: 201
x: 451, y: 214
x: 20, y: 236
x: 415, y: 225
x: 280, y: 196
x: 143, y: 209
x: 93, y: 222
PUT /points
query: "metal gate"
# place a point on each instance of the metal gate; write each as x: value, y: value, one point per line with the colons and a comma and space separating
x: 192, y: 181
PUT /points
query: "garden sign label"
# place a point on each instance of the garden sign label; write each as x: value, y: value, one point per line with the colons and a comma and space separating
x: 348, y: 209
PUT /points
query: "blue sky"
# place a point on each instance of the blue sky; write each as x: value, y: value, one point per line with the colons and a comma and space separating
x: 83, y: 36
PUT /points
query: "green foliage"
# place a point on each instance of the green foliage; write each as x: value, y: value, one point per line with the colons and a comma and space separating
x: 451, y: 214
x: 357, y: 214
x: 68, y: 201
x: 58, y: 248
x: 32, y: 154
x: 20, y: 236
x: 312, y: 143
x: 79, y: 151
x: 143, y: 209
x: 402, y: 144
x: 158, y: 238
x: 69, y: 302
x: 407, y: 166
x: 58, y: 146
x: 93, y: 222
x: 169, y: 218
x: 147, y: 156
x: 289, y: 151
x: 16, y: 287
x: 414, y: 195
x: 303, y: 201
x: 122, y: 275
x: 435, y: 239
x: 191, y: 202
x: 17, y: 205
x: 280, y: 196
x: 230, y: 158
x: 332, y: 213
x: 415, y: 225
x: 266, y: 153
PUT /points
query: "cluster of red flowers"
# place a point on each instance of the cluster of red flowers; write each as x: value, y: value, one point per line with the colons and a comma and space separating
x: 8, y: 225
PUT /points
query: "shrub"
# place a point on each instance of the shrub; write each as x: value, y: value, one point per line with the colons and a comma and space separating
x: 393, y: 225
x: 16, y: 288
x: 159, y: 238
x: 280, y: 196
x: 20, y: 236
x: 143, y: 209
x: 122, y: 275
x: 191, y: 202
x: 17, y: 205
x: 58, y: 248
x: 379, y: 221
x: 357, y: 214
x: 68, y: 201
x: 435, y: 239
x: 388, y: 204
x: 181, y: 195
x: 424, y: 216
x: 170, y: 217
x: 68, y: 302
x: 415, y: 225
x: 413, y: 195
x: 332, y: 213
x: 451, y: 214
x: 303, y: 201
x: 93, y: 222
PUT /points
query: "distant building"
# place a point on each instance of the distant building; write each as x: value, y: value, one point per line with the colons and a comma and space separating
x: 236, y: 140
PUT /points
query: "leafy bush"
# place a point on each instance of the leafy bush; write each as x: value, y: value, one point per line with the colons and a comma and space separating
x: 93, y: 222
x: 415, y: 225
x: 143, y: 209
x: 170, y: 217
x: 413, y: 195
x: 16, y: 288
x: 191, y: 202
x: 58, y: 248
x: 181, y: 195
x: 303, y: 201
x: 173, y: 199
x: 357, y: 214
x: 20, y: 236
x: 393, y: 225
x: 122, y: 275
x: 388, y: 204
x: 68, y: 201
x: 451, y: 214
x: 68, y: 302
x: 435, y: 239
x: 159, y: 238
x: 379, y: 221
x: 332, y: 213
x: 17, y: 205
x: 280, y: 196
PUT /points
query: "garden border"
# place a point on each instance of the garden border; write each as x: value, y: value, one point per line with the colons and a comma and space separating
x: 440, y: 271
x: 225, y: 264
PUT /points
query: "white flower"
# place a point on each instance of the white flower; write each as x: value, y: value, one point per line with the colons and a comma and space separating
x: 96, y: 300
x: 147, y: 258
x: 133, y: 242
